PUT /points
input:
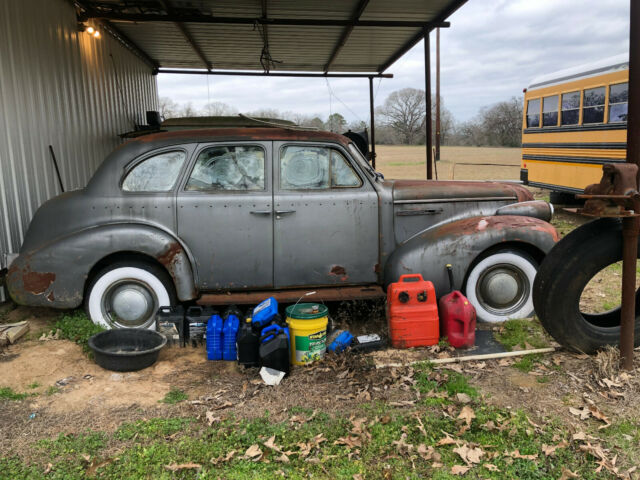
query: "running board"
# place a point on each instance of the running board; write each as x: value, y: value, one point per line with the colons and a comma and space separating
x: 325, y: 294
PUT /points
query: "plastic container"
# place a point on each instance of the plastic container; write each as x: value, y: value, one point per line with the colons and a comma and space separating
x: 412, y: 312
x: 196, y: 318
x: 229, y: 335
x: 274, y: 348
x: 214, y: 337
x: 168, y: 321
x: 247, y: 344
x: 340, y: 340
x: 457, y: 320
x: 126, y: 349
x: 263, y: 314
x: 308, y: 327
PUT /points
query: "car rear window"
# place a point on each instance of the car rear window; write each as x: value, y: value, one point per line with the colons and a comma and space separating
x: 155, y: 174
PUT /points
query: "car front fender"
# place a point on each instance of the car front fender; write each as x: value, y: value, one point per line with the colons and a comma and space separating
x: 54, y: 275
x: 460, y: 242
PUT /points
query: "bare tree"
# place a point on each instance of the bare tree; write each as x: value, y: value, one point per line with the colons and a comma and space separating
x: 216, y: 109
x: 336, y: 123
x: 404, y: 111
x: 502, y: 123
x: 167, y: 107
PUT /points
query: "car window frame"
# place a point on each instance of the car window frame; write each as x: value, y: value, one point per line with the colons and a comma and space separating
x: 344, y: 152
x: 129, y: 167
x: 266, y: 146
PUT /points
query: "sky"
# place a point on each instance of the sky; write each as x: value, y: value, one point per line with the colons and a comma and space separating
x: 492, y: 50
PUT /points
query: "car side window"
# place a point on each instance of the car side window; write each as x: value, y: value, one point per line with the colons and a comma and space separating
x: 313, y: 168
x: 155, y: 174
x: 238, y: 168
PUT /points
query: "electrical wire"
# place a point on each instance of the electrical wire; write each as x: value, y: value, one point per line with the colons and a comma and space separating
x: 331, y: 92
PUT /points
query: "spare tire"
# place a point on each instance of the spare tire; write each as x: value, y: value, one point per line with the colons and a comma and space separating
x: 561, y: 279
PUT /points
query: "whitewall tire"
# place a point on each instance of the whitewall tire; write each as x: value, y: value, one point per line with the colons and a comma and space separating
x: 127, y: 296
x: 499, y: 286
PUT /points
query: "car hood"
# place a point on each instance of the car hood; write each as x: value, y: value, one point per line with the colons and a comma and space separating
x: 407, y: 190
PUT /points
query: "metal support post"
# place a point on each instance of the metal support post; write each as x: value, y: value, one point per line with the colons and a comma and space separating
x: 427, y: 99
x: 628, y: 310
x: 437, y: 96
x: 372, y: 126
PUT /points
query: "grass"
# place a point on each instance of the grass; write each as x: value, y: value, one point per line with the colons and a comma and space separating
x: 387, y: 450
x: 52, y: 390
x: 527, y: 363
x: 520, y: 333
x: 77, y: 327
x: 34, y: 385
x: 7, y: 393
x: 174, y: 396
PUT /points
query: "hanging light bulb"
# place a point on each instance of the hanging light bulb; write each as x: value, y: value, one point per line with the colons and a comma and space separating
x: 96, y: 34
x: 90, y: 30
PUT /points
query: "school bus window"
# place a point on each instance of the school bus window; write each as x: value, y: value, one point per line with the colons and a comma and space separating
x: 550, y: 111
x: 570, y: 108
x: 593, y: 105
x: 533, y: 113
x: 618, y: 98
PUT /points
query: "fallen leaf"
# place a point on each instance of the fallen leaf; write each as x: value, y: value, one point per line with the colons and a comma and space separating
x: 469, y: 455
x: 428, y: 453
x: 467, y: 414
x: 282, y: 458
x: 599, y: 415
x: 491, y: 467
x: 386, y: 419
x: 211, y: 418
x: 516, y: 454
x: 350, y: 441
x: 459, y: 469
x: 583, y: 413
x: 550, y: 450
x: 183, y: 466
x: 463, y: 398
x: 271, y: 443
x: 447, y: 440
x: 253, y: 453
x: 49, y: 465
x: 567, y: 474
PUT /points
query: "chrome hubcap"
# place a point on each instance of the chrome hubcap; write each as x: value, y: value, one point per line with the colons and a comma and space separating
x: 129, y: 304
x: 502, y: 289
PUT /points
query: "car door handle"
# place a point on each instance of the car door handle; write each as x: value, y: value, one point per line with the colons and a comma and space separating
x: 284, y: 212
x: 261, y: 212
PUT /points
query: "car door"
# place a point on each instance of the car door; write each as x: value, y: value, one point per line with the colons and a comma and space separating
x: 225, y: 215
x: 326, y: 217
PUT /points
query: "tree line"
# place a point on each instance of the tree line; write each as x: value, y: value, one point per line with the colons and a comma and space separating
x: 399, y: 120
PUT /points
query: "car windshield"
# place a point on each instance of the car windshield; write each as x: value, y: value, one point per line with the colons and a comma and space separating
x: 361, y: 160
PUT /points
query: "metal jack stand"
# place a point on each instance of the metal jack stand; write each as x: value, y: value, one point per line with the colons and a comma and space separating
x: 616, y: 196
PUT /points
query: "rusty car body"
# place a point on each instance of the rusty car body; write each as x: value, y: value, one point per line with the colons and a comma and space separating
x: 212, y: 211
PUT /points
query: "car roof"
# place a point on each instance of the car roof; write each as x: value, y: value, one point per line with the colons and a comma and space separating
x: 240, y: 134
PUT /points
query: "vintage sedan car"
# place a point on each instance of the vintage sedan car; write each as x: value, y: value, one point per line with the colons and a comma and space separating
x: 189, y: 215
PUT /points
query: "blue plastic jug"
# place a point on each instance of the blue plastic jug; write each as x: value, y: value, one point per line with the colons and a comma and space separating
x: 264, y: 313
x: 214, y: 337
x: 229, y: 336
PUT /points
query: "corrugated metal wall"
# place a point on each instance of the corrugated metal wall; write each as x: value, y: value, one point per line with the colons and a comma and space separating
x: 63, y: 88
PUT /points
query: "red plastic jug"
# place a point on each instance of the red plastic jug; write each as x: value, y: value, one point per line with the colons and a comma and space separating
x: 412, y: 312
x: 457, y: 320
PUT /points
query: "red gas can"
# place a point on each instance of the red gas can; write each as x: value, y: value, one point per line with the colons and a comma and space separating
x: 412, y: 312
x: 457, y: 320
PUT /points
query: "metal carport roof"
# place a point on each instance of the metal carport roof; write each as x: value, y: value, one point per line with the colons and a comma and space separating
x: 360, y: 36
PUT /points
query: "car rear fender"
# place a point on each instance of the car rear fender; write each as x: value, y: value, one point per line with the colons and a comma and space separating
x: 55, y: 274
x: 459, y: 243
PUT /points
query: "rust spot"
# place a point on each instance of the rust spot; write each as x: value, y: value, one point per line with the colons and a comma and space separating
x: 168, y: 257
x: 339, y: 271
x: 36, y: 282
x: 473, y: 225
x: 50, y: 297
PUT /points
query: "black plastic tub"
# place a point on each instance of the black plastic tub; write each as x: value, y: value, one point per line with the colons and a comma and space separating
x: 126, y: 349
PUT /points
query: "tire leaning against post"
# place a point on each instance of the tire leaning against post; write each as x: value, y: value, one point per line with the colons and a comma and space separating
x: 561, y: 279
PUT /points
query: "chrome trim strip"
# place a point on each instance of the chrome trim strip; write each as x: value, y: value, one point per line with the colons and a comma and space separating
x: 454, y: 200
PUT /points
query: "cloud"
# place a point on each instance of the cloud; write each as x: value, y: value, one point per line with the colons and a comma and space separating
x: 492, y: 51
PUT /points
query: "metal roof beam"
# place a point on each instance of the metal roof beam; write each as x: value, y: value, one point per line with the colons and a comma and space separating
x: 187, y: 35
x: 308, y: 22
x: 346, y: 33
x: 452, y: 7
x: 245, y: 73
x: 116, y: 33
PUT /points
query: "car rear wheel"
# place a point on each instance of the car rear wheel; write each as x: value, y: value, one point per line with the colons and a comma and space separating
x: 128, y: 295
x: 499, y: 286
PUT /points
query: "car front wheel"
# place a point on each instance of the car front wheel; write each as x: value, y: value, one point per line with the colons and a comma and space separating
x: 128, y: 295
x: 499, y: 286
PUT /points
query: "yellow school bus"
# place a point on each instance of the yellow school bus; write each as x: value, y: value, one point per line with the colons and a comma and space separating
x: 574, y: 121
